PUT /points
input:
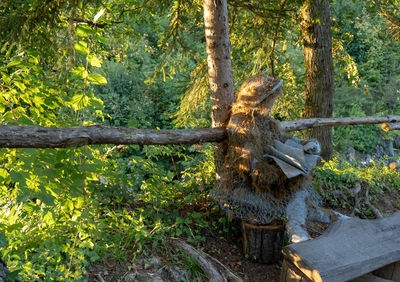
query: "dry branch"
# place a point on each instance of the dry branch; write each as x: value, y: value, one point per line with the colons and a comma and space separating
x: 390, y: 126
x: 13, y: 136
x: 326, y: 122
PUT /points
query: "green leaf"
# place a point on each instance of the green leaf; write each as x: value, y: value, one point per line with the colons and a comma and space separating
x: 101, y: 39
x: 97, y: 78
x: 81, y: 47
x: 84, y: 31
x: 96, y: 103
x: 4, y: 173
x: 14, y: 63
x: 33, y: 60
x: 94, y: 60
x: 80, y: 72
x: 3, y: 240
x: 20, y: 85
x: 49, y: 217
x: 79, y: 101
x: 12, y: 275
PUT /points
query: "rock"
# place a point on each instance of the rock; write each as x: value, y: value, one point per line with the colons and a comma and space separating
x: 350, y: 154
x: 380, y: 151
x: 141, y: 277
x: 135, y: 276
x: 396, y: 142
x: 177, y: 274
x: 149, y: 263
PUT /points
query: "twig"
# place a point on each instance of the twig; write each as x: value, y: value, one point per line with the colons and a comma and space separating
x: 100, y: 278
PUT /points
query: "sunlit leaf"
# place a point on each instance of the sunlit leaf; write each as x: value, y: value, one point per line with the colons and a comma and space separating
x: 94, y: 60
x: 14, y: 63
x: 80, y: 72
x: 97, y: 78
x: 20, y: 85
x: 81, y: 47
x: 96, y: 103
x: 84, y: 31
x: 33, y: 60
x: 79, y: 101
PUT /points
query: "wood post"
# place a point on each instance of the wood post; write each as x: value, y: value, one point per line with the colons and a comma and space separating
x: 263, y: 243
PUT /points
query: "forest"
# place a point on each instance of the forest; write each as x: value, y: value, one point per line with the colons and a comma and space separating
x: 117, y: 210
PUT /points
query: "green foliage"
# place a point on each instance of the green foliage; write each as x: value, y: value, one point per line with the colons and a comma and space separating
x: 335, y: 176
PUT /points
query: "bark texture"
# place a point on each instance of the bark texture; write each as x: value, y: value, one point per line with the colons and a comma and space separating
x: 302, y: 124
x: 317, y: 40
x: 263, y: 243
x: 219, y: 69
x: 13, y: 136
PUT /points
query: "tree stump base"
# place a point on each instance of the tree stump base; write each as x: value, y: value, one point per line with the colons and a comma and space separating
x: 263, y: 243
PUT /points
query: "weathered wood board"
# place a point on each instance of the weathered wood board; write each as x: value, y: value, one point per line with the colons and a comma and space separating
x: 349, y: 249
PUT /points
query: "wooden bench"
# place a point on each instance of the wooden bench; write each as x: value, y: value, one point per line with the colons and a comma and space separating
x: 347, y: 250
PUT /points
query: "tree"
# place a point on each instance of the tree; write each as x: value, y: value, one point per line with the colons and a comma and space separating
x: 219, y: 69
x: 317, y: 41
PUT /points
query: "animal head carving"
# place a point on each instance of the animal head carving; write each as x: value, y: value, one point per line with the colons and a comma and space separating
x: 258, y: 94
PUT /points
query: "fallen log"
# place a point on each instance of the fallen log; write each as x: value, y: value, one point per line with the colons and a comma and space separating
x: 13, y: 136
x: 387, y: 126
x: 330, y: 122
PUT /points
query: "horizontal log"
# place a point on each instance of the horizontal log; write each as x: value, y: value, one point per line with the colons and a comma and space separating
x: 390, y: 126
x: 330, y: 122
x: 14, y: 136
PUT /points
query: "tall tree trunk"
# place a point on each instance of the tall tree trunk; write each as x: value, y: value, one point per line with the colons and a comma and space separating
x: 317, y: 39
x: 219, y: 69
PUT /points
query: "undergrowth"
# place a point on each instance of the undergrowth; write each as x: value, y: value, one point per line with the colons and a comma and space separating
x: 110, y: 221
x: 335, y: 179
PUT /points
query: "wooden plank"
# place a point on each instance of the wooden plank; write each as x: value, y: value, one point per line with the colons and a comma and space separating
x: 349, y: 249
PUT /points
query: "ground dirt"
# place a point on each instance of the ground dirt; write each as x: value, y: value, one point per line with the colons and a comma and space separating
x: 227, y: 248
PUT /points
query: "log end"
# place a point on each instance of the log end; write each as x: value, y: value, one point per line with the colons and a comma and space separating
x: 385, y: 127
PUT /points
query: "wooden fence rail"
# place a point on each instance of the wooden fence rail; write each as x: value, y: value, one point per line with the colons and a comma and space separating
x: 14, y: 136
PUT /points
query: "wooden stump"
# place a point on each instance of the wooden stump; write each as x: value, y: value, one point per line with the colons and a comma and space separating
x: 263, y: 243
